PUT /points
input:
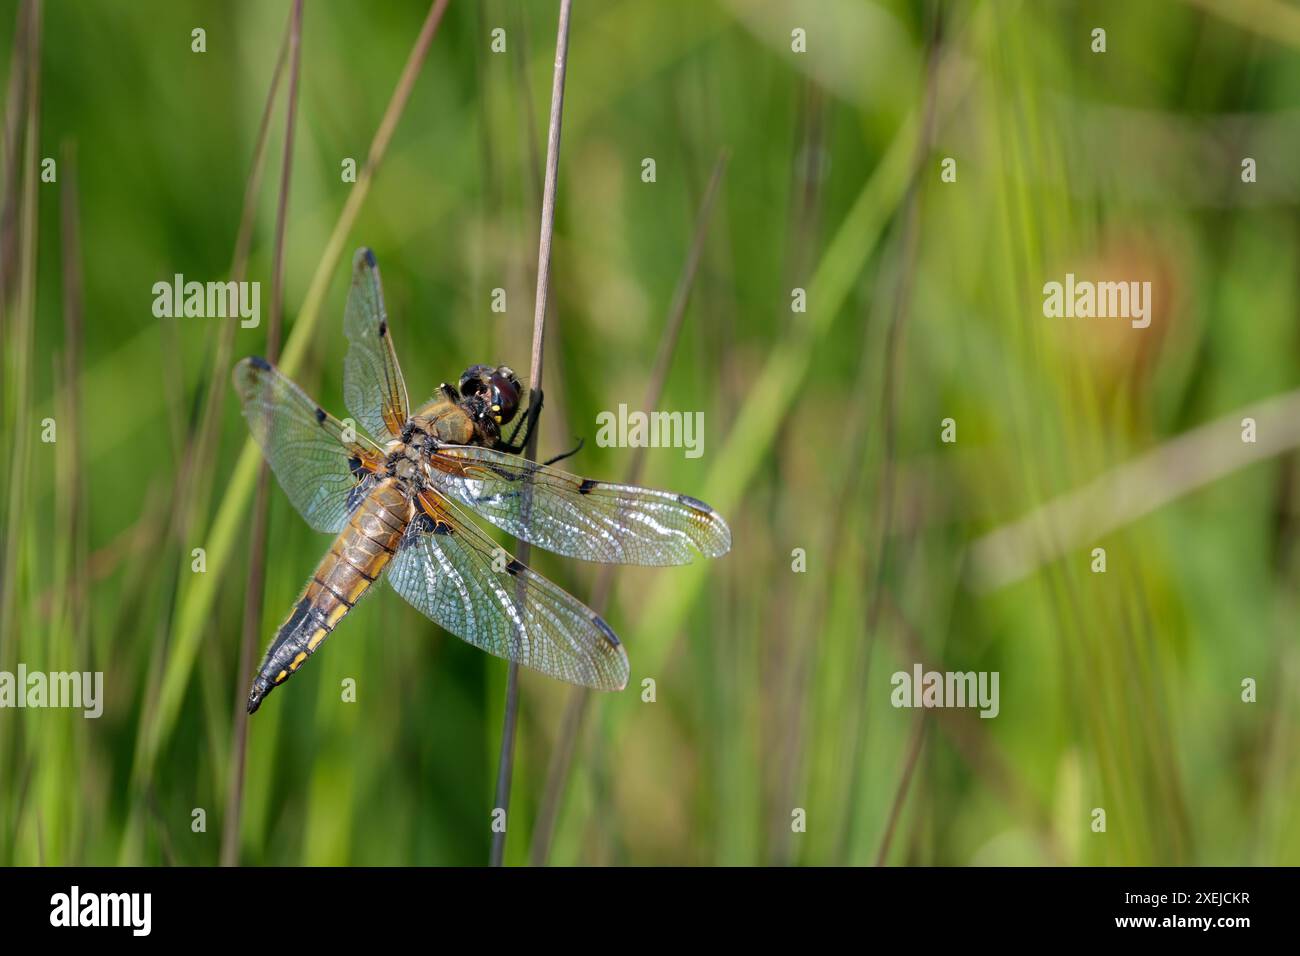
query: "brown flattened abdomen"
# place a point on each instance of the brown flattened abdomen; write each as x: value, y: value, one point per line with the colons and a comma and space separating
x: 355, y: 561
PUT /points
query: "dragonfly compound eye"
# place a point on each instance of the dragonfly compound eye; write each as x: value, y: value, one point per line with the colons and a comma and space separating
x: 505, y: 394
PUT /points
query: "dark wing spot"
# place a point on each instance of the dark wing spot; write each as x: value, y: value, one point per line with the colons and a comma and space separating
x: 605, y: 629
x: 442, y: 528
x: 320, y: 415
x: 426, y: 523
x: 354, y: 466
x: 259, y: 363
x: 695, y: 503
x: 587, y: 485
x: 369, y: 257
x: 508, y: 475
x: 514, y: 567
x: 383, y: 327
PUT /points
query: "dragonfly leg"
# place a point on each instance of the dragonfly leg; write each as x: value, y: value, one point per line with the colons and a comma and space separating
x: 527, y: 421
x: 568, y: 454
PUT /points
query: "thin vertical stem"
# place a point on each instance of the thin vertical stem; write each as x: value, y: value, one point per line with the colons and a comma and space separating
x: 75, y: 527
x: 910, y: 225
x: 194, y: 482
x: 18, y: 352
x: 257, y: 544
x: 9, y: 161
x: 196, y: 599
x: 17, y: 360
x: 72, y: 550
x: 286, y: 171
x: 505, y: 766
x: 900, y: 795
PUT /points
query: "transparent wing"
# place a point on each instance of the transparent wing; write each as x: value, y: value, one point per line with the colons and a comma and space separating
x: 448, y: 570
x: 579, y: 517
x: 373, y: 387
x: 323, y: 475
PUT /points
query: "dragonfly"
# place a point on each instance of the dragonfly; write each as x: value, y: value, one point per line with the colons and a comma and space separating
x: 399, y: 505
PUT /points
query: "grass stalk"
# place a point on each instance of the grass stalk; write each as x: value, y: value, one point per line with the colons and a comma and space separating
x: 796, y: 655
x: 505, y: 764
x: 194, y: 481
x: 976, y: 746
x: 194, y: 609
x: 14, y: 114
x: 72, y: 621
x: 906, y: 272
x: 170, y: 527
x: 1130, y: 491
x: 904, y: 783
x: 254, y: 589
x: 18, y: 356
x: 18, y: 352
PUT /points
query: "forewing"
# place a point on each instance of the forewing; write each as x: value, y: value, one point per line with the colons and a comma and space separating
x: 579, y: 517
x: 323, y: 475
x: 448, y: 570
x: 373, y: 387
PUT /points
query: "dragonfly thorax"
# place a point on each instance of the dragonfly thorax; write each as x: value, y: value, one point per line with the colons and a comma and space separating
x: 407, y: 457
x: 442, y: 422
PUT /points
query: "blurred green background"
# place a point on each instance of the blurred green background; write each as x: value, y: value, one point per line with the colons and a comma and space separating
x: 1120, y: 691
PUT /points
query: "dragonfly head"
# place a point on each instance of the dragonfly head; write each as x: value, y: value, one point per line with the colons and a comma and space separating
x: 497, y: 389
